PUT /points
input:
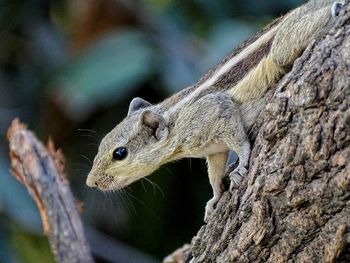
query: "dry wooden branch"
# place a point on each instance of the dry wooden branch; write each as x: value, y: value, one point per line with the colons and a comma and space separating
x: 294, y: 204
x: 40, y: 170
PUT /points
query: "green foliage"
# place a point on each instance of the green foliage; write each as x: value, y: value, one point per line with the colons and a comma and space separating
x: 105, y: 73
x: 31, y: 248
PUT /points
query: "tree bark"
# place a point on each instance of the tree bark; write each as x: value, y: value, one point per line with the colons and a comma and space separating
x: 294, y: 206
x: 40, y: 170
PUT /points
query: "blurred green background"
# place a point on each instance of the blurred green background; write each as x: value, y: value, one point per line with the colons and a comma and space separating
x: 69, y: 69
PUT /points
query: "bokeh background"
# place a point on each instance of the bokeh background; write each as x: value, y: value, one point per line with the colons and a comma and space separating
x: 69, y: 68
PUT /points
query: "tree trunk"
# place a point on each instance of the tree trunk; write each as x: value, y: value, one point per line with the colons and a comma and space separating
x: 294, y: 206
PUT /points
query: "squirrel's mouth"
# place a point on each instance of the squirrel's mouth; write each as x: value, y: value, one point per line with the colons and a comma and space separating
x: 119, y: 183
x: 107, y: 182
x: 103, y: 182
x: 113, y: 183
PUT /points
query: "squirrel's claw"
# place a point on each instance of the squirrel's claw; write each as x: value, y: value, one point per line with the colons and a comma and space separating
x: 236, y: 177
x: 209, y: 208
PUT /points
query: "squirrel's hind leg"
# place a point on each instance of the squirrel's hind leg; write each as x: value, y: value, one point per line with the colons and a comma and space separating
x: 216, y: 171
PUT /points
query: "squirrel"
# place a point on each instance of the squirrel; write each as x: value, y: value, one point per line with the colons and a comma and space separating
x: 210, y: 118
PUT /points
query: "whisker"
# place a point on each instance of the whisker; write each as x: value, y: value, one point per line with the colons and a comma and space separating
x: 84, y: 170
x: 155, y: 186
x: 190, y: 164
x: 145, y: 206
x: 143, y: 185
x: 78, y: 165
x: 86, y: 158
x: 132, y: 205
x: 93, y: 144
x: 168, y: 169
x: 122, y: 200
x: 90, y: 136
x: 124, y: 191
x: 98, y: 136
x: 127, y: 187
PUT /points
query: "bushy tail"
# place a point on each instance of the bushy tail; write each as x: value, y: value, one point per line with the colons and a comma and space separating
x: 257, y: 82
x: 293, y: 36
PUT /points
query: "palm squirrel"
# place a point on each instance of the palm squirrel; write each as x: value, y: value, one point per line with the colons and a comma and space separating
x: 211, y: 117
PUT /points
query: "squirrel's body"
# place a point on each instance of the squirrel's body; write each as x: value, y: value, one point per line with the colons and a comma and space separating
x: 211, y: 117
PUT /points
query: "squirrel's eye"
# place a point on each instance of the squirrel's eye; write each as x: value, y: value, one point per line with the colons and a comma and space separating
x: 120, y: 153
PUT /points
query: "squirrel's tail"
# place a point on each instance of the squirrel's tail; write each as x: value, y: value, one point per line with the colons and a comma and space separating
x: 291, y: 39
x: 255, y: 84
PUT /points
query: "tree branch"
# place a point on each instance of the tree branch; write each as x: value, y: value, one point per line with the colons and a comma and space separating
x: 40, y: 170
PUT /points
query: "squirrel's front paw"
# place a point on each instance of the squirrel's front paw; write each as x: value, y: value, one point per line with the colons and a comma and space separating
x: 209, y: 208
x: 236, y: 177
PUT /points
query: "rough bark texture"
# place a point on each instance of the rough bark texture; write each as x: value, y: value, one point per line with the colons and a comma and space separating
x: 40, y: 170
x: 294, y: 206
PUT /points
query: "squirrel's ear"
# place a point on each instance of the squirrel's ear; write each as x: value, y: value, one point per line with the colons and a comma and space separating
x: 136, y: 104
x: 156, y: 122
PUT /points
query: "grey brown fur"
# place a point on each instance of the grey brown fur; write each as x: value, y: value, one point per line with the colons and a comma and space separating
x: 210, y: 118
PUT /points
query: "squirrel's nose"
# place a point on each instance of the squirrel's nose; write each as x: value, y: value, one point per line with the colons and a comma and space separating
x: 91, y: 182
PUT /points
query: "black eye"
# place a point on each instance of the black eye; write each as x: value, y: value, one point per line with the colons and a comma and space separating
x: 120, y: 153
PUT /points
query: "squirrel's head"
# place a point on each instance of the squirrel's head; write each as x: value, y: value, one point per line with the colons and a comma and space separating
x: 132, y: 150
